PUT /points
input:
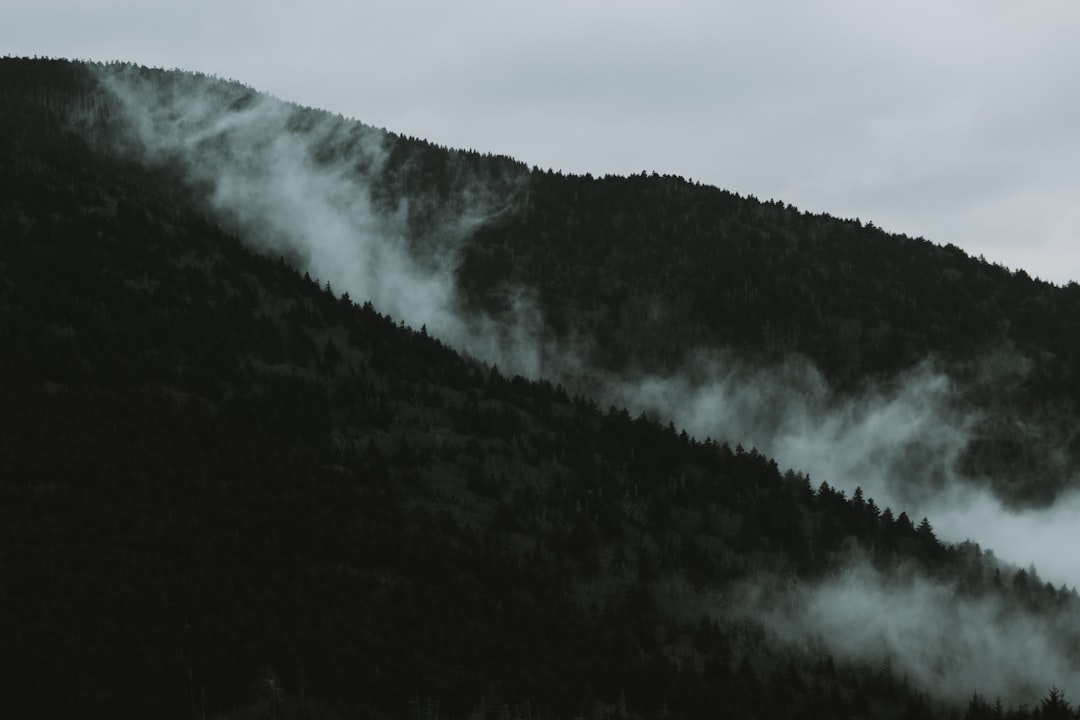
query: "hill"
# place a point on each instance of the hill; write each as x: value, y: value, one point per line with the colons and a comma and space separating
x: 608, y: 285
x: 229, y: 488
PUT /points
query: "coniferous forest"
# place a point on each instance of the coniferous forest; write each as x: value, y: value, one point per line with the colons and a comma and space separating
x: 230, y: 488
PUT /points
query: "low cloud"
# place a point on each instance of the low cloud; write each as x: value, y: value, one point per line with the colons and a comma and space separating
x: 946, y: 644
x: 261, y: 175
x: 902, y: 440
x: 301, y: 183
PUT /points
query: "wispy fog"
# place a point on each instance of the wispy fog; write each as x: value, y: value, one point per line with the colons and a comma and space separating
x: 901, y: 441
x: 299, y: 183
x: 946, y: 644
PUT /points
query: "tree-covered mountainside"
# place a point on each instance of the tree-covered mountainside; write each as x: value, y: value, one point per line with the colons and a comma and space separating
x: 657, y: 270
x: 570, y: 277
x: 227, y: 488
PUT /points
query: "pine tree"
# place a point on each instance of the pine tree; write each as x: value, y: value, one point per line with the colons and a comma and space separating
x: 1054, y: 706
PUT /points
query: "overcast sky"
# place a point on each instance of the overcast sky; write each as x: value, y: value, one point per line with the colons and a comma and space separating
x: 957, y: 121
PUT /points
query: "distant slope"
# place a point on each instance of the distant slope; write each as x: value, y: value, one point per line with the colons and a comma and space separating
x: 656, y: 271
x: 226, y: 488
x: 599, y: 282
x: 728, y: 270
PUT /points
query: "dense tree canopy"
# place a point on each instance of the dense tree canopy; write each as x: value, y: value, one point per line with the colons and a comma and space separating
x: 226, y: 489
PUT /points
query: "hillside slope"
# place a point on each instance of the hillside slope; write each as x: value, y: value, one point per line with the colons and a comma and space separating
x: 228, y: 488
x: 605, y: 284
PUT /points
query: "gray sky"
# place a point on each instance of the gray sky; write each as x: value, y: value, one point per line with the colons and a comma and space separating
x: 957, y: 121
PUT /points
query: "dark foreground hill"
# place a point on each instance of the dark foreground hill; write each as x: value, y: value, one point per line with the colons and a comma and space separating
x: 225, y: 488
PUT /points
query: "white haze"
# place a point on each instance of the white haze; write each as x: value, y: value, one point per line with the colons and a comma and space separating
x: 948, y: 645
x: 264, y: 178
x: 899, y: 442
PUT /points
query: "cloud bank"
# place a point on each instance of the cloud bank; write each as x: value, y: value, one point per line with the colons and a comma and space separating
x: 903, y: 441
x: 946, y: 644
x: 302, y: 183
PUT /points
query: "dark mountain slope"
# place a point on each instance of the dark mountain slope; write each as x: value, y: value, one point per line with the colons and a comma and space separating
x: 225, y: 488
x: 658, y: 272
x: 644, y: 275
x: 728, y: 270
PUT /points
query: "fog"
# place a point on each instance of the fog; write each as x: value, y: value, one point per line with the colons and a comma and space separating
x: 945, y: 644
x: 278, y: 177
x: 901, y: 441
x: 262, y: 177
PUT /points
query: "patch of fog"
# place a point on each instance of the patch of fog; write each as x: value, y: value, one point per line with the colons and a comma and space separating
x: 900, y: 441
x: 947, y: 645
x: 274, y: 174
x: 1045, y: 537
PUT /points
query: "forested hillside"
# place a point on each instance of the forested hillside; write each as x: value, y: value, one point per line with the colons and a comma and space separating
x: 226, y: 487
x: 655, y: 271
x: 597, y: 282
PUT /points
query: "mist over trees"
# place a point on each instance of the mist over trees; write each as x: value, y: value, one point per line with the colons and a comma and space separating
x: 358, y: 454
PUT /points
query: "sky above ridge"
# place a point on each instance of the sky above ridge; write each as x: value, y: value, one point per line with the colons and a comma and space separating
x: 958, y: 122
